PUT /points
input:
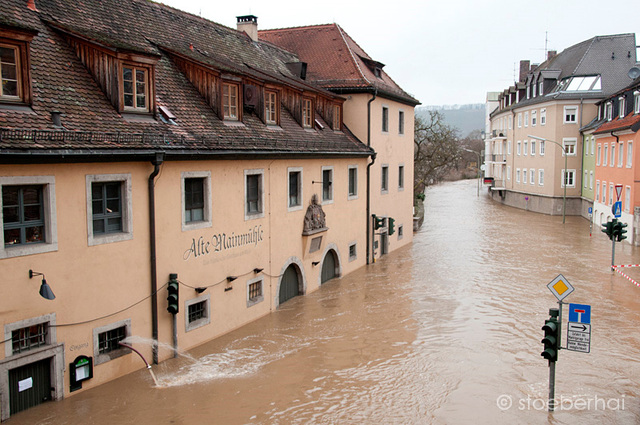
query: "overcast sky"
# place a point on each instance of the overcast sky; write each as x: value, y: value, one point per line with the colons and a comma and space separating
x: 442, y: 52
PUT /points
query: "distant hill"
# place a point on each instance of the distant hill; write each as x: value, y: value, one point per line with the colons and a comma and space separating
x: 466, y: 118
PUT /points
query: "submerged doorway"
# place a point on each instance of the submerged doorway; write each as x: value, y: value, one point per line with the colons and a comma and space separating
x: 290, y: 284
x: 329, y: 267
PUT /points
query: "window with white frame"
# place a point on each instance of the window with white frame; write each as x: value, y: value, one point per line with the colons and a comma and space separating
x: 591, y: 180
x: 28, y: 216
x: 570, y: 114
x: 585, y: 179
x: 636, y: 102
x: 509, y: 147
x: 106, y: 338
x: 569, y: 178
x: 541, y: 177
x: 508, y: 172
x: 520, y: 120
x: 629, y: 153
x: 197, y: 312
x: 603, y: 197
x: 353, y: 251
x: 510, y: 121
x: 608, y: 111
x: 622, y: 106
x: 109, y: 208
x: 385, y: 119
x: 540, y: 88
x: 597, y: 190
x: 196, y: 200
x: 598, y: 154
x: 569, y: 146
x: 253, y: 194
x: 518, y: 147
x: 613, y: 155
x: 255, y: 291
x: 401, y: 177
x: 532, y: 176
x: 627, y: 199
x: 533, y: 147
x: 611, y: 190
x: 517, y: 175
x: 542, y: 147
x: 400, y: 122
x: 294, y: 189
x: 524, y: 176
x: 353, y: 182
x: 543, y: 116
x: 526, y: 119
x: 384, y: 183
x: 525, y: 147
x: 534, y: 118
x: 621, y: 155
x: 327, y: 185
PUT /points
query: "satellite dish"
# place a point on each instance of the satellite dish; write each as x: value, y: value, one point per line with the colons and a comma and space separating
x: 634, y: 73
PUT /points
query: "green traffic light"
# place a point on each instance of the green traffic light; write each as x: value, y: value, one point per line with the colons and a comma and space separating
x: 551, y: 330
x: 392, y: 226
x: 173, y: 297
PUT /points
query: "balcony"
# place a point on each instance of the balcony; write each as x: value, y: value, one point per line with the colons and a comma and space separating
x: 497, y: 158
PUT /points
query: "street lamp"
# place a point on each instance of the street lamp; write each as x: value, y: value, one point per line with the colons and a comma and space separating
x: 564, y: 177
x: 477, y: 167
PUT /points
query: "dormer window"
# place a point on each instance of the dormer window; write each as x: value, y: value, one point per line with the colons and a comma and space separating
x: 270, y: 108
x: 230, y: 101
x: 608, y: 111
x: 307, y: 113
x: 336, y: 117
x: 10, y: 76
x: 135, y: 88
x: 636, y: 102
x: 622, y: 106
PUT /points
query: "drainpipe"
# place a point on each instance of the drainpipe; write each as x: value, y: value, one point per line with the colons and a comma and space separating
x: 373, y: 160
x: 157, y: 162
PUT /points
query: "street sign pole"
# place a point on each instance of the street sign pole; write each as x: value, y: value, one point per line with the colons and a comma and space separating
x: 552, y: 386
x: 613, y: 253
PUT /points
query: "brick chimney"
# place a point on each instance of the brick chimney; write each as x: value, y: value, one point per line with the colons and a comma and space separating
x: 248, y: 24
x: 551, y: 54
x: 524, y: 70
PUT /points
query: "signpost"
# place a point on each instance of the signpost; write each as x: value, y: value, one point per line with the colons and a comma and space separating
x: 579, y: 337
x: 616, y: 209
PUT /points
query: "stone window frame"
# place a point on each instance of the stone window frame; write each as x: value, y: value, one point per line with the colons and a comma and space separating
x: 353, y: 255
x: 207, y: 213
x: 99, y: 358
x: 127, y: 209
x: 261, y: 210
x: 351, y: 196
x: 298, y: 207
x: 203, y: 321
x: 50, y: 217
x: 260, y: 298
x: 331, y: 197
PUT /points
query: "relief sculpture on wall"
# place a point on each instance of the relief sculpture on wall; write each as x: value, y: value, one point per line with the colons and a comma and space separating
x: 314, y: 219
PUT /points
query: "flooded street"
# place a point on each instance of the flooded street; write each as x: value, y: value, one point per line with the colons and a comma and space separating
x: 445, y: 331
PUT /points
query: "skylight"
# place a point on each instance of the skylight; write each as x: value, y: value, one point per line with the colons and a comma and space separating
x: 584, y: 83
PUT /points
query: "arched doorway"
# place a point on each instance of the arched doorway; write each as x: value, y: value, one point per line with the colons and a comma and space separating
x: 329, y: 266
x: 290, y: 284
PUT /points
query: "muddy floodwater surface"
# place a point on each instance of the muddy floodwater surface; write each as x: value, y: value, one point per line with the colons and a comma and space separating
x: 445, y: 331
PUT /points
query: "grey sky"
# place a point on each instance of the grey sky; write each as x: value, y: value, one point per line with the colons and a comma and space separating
x: 442, y: 52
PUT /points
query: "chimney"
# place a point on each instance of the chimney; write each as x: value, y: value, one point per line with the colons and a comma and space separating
x: 248, y: 24
x: 524, y: 70
x: 551, y: 54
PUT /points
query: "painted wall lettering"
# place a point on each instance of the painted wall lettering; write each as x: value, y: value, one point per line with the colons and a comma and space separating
x: 222, y: 242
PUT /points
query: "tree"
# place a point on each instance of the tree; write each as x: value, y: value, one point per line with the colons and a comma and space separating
x: 436, y: 150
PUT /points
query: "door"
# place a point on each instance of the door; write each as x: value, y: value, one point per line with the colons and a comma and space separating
x: 29, y: 385
x: 289, y: 286
x: 328, y: 267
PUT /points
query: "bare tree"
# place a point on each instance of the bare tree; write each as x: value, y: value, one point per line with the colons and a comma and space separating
x: 437, y: 150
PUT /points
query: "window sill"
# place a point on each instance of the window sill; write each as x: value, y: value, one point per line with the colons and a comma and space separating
x: 253, y: 301
x: 16, y: 106
x: 27, y: 249
x: 232, y: 123
x: 109, y: 238
x: 144, y: 117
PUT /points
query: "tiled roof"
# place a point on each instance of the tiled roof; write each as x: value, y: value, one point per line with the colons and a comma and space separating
x: 60, y: 82
x: 335, y: 61
x: 631, y: 121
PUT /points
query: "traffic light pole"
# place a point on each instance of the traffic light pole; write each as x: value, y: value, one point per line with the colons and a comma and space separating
x: 175, y: 336
x: 613, y: 253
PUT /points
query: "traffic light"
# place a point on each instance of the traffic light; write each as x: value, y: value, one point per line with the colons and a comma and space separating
x: 621, y: 229
x: 608, y: 228
x: 392, y: 226
x: 378, y: 222
x: 173, y: 298
x: 551, y: 338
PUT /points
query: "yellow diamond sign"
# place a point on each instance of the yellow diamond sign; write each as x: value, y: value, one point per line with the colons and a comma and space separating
x: 560, y: 287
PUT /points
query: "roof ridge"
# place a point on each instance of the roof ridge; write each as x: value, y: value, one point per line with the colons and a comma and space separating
x: 300, y: 28
x: 352, y: 53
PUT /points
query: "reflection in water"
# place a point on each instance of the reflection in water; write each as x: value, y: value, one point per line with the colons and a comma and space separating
x: 444, y: 331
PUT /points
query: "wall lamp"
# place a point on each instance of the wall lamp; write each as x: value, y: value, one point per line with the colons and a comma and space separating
x: 200, y: 290
x: 315, y: 263
x: 257, y: 270
x: 231, y: 278
x: 45, y: 289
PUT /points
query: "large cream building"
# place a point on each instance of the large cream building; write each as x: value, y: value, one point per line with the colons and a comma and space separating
x: 176, y: 154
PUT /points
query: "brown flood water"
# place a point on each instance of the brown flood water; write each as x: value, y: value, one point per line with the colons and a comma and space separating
x: 446, y: 331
